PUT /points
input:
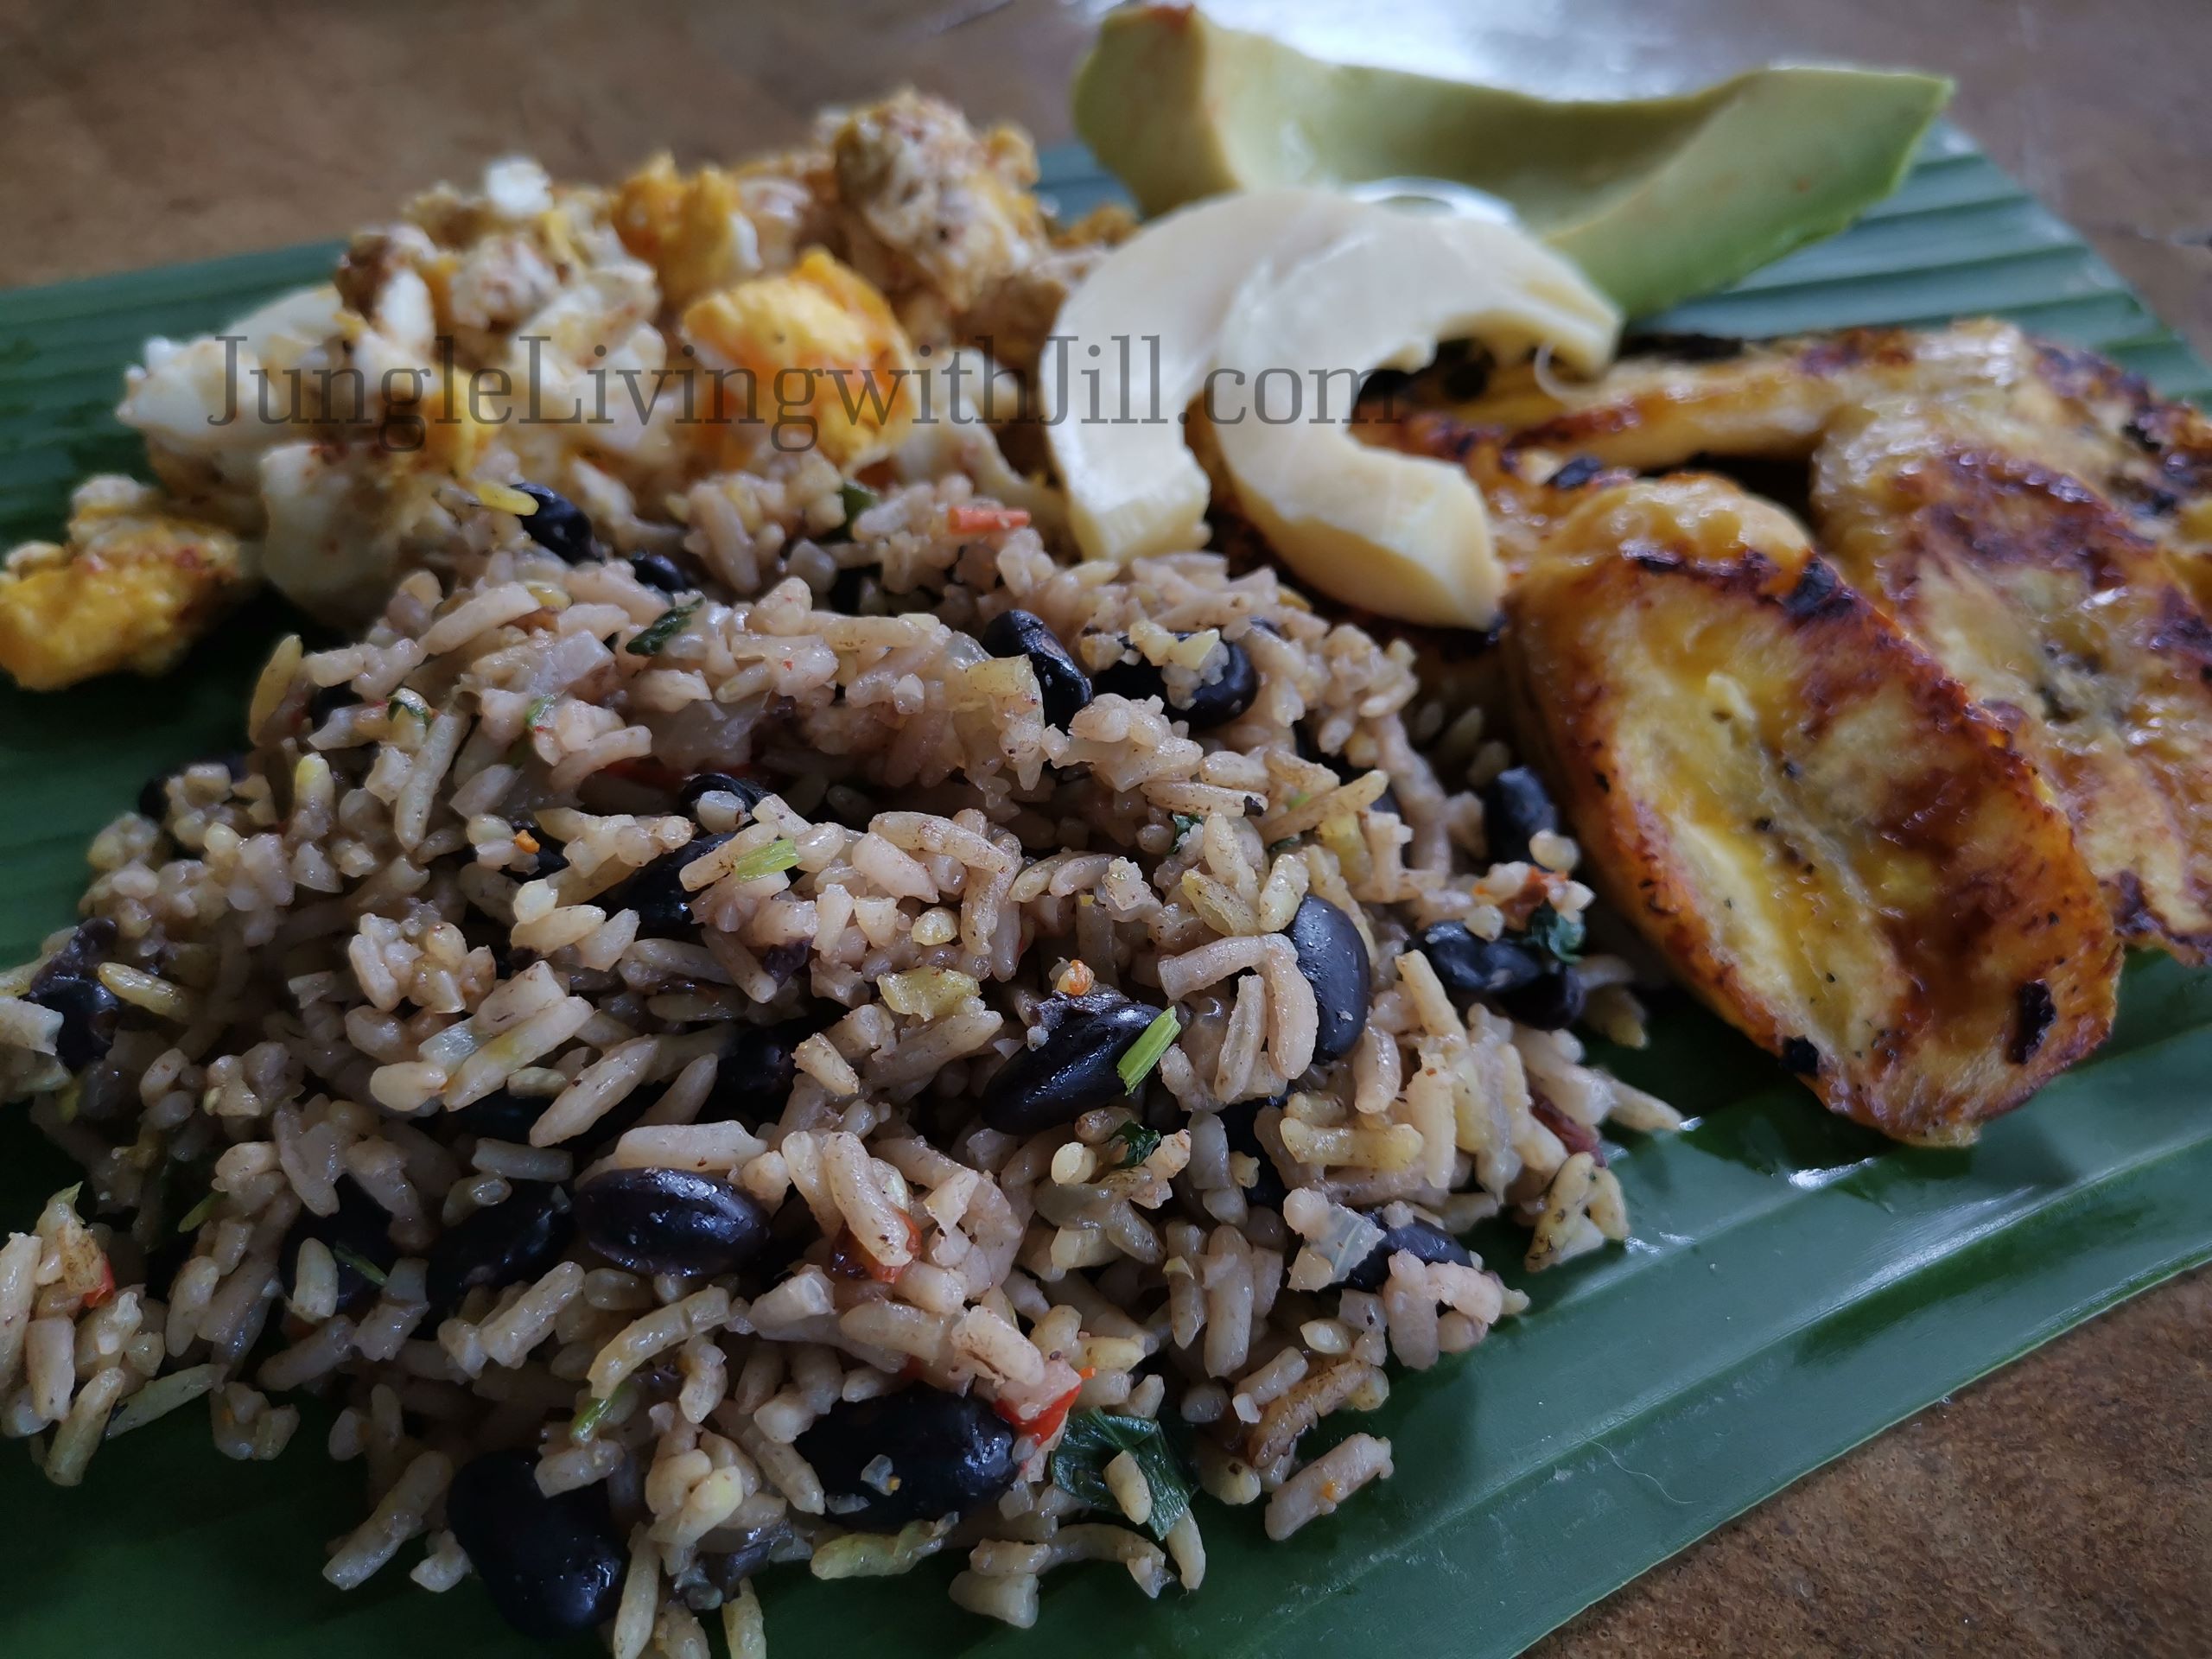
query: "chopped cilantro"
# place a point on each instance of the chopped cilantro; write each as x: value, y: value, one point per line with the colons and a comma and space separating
x: 1138, y: 1142
x: 1562, y: 936
x: 650, y: 641
x: 857, y: 500
x: 1092, y: 1440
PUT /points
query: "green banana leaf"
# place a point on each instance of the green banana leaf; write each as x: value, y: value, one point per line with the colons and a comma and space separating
x: 1793, y: 1285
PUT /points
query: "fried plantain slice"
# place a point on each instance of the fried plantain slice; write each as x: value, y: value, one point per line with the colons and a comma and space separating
x: 1803, y: 813
x: 1673, y: 398
x: 2029, y: 513
x: 2064, y: 623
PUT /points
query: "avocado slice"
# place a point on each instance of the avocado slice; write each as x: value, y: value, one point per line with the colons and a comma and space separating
x: 1656, y: 199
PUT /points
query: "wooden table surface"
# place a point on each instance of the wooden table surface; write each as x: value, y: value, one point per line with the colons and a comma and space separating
x: 2063, y: 1506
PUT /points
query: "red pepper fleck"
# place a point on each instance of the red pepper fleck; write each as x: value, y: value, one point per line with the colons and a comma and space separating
x: 973, y: 520
x: 104, y: 1290
x: 1048, y: 1422
x: 1536, y: 890
x: 849, y: 1257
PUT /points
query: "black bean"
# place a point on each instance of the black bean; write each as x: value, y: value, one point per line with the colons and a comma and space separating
x: 1240, y: 1123
x: 1579, y: 470
x: 720, y: 782
x: 754, y: 1078
x: 361, y: 1229
x: 153, y: 796
x: 660, y: 571
x: 499, y: 1116
x: 658, y: 895
x: 559, y: 525
x: 669, y: 1221
x: 1215, y: 704
x: 1072, y: 1071
x: 1551, y: 1002
x: 499, y: 1245
x: 88, y: 1010
x: 1515, y: 808
x: 725, y: 1570
x: 1333, y: 958
x: 947, y: 1454
x: 1065, y: 687
x: 80, y: 954
x: 780, y: 962
x: 552, y: 1565
x: 1429, y: 1243
x: 1474, y: 968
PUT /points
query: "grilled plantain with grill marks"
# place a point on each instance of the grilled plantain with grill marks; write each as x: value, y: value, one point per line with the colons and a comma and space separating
x: 2030, y: 514
x: 1814, y: 823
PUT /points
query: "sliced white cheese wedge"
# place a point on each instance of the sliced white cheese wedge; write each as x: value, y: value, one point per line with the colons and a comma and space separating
x: 1398, y: 534
x: 1131, y: 347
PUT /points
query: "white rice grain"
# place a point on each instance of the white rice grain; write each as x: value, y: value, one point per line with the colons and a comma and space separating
x: 509, y: 1338
x: 1325, y: 1482
x: 401, y: 1515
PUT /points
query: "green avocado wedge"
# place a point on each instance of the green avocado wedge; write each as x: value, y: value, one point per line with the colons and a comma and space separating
x: 1656, y: 199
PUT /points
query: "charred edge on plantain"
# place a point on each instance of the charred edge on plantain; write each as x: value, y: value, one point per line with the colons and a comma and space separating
x: 2036, y: 1011
x: 1800, y: 1056
x: 1819, y: 591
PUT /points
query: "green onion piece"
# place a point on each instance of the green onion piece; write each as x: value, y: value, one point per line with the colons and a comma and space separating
x: 189, y: 1222
x: 404, y: 701
x: 519, y: 751
x: 1139, y: 1141
x: 1144, y: 1053
x: 1091, y: 1441
x: 585, y: 1423
x: 1275, y: 848
x: 766, y: 861
x: 360, y: 1263
x: 663, y: 628
x: 856, y: 498
x: 1184, y: 823
x: 1562, y: 936
x: 619, y: 1404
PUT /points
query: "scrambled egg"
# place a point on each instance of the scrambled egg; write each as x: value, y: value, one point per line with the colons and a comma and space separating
x: 713, y: 227
x: 528, y: 329
x: 824, y: 354
x: 133, y: 587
